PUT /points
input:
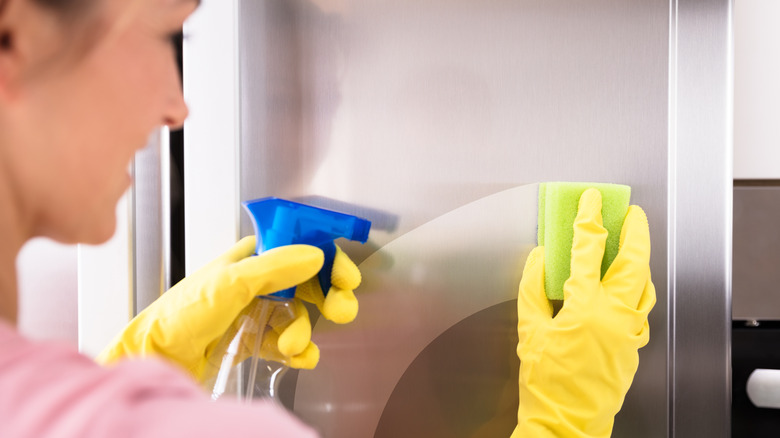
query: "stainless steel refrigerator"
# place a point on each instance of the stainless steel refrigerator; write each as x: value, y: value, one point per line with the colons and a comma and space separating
x: 436, y: 120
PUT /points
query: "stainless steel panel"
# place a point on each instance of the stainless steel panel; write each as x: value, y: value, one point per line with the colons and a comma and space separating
x: 149, y: 205
x: 437, y: 118
x: 700, y: 215
x: 756, y: 252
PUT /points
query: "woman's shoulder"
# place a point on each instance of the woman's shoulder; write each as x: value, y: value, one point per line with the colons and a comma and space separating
x: 48, y: 384
x: 50, y: 389
x: 22, y: 358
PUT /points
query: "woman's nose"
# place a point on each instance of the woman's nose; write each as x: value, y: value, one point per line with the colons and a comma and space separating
x: 176, y: 111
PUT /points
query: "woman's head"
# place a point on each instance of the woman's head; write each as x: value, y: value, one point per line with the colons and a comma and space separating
x: 79, y: 95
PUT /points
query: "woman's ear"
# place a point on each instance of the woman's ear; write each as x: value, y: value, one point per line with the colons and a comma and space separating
x: 30, y: 37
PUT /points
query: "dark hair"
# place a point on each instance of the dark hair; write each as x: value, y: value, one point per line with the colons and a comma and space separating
x: 65, y: 7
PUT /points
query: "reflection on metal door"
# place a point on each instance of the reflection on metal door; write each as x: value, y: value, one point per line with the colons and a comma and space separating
x: 438, y: 118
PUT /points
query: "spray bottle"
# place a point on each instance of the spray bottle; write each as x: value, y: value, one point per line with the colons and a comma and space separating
x: 241, y: 365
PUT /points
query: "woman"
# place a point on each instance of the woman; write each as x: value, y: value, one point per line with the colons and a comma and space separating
x: 82, y: 85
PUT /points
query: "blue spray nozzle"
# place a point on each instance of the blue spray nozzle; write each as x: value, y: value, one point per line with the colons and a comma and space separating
x: 280, y: 222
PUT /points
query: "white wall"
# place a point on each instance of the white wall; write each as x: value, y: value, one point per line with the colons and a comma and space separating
x: 756, y: 89
x: 48, y: 286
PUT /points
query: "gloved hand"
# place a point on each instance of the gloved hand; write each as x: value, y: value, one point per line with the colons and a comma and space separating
x: 576, y: 367
x: 187, y: 322
x: 340, y: 304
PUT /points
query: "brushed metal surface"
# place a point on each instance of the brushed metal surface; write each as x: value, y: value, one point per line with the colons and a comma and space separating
x: 417, y: 112
x: 756, y: 253
x: 148, y: 224
x: 421, y: 108
x: 700, y: 216
x: 416, y: 288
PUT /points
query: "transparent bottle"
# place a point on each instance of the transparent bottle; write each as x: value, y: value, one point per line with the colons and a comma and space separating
x: 246, y: 364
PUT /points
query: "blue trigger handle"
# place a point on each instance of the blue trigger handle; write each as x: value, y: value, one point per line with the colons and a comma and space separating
x: 324, y: 276
x: 279, y: 222
x: 327, y: 267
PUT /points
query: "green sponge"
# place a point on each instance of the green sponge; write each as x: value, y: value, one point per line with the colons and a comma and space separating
x: 558, y: 202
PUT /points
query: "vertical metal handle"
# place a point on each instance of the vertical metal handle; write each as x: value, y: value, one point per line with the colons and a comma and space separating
x: 151, y: 255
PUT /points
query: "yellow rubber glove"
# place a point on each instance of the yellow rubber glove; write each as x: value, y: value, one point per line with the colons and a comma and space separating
x: 187, y: 322
x: 340, y: 304
x: 576, y: 367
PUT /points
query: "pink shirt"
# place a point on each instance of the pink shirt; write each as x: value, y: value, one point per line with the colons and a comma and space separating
x: 50, y: 390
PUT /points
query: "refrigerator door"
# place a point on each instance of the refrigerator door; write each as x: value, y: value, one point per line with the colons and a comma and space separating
x: 436, y: 120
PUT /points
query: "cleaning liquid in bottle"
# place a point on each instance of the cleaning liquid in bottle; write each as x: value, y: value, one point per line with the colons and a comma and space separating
x: 245, y: 363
